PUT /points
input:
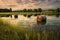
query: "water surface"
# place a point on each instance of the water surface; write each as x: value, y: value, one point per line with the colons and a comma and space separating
x: 53, y: 22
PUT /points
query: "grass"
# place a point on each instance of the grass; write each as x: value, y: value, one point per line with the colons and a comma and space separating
x: 22, y: 13
x: 8, y: 32
x: 9, y: 14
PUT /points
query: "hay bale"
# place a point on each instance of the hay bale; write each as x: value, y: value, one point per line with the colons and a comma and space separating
x: 41, y: 19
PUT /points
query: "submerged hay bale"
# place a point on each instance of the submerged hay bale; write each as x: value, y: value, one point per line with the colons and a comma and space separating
x: 35, y: 14
x: 25, y: 15
x: 29, y: 15
x: 41, y: 19
x: 15, y: 16
x: 7, y: 15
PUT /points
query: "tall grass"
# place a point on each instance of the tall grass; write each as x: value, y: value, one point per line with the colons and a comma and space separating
x: 8, y: 32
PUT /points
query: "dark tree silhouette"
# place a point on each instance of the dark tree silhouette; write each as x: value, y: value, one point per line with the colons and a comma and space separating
x: 5, y: 10
x: 24, y: 10
x: 35, y: 10
x: 10, y: 9
x: 58, y: 10
x: 39, y: 10
x: 29, y: 10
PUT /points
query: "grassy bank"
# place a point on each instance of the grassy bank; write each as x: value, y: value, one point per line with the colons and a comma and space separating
x: 8, y: 32
x: 6, y: 14
x: 22, y: 13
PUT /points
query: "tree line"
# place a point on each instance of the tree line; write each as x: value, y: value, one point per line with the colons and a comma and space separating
x: 29, y: 10
x: 6, y: 10
x: 37, y: 10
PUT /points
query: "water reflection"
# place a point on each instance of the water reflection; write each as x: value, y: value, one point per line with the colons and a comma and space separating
x: 32, y: 21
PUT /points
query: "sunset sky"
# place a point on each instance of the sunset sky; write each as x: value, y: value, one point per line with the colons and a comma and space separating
x: 21, y: 4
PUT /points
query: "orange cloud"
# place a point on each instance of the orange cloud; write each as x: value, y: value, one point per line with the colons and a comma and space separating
x: 21, y: 4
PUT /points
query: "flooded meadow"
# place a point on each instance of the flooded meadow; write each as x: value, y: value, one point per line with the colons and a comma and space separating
x: 26, y: 28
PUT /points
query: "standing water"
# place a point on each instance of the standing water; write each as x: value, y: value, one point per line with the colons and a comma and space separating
x: 31, y: 22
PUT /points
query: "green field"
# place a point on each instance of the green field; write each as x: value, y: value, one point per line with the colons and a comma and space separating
x: 21, y: 13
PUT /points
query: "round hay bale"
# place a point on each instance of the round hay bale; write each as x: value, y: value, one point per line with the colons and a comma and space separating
x: 41, y: 19
x: 15, y: 16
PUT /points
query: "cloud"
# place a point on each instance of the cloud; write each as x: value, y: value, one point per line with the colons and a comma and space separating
x: 44, y: 4
x: 21, y: 4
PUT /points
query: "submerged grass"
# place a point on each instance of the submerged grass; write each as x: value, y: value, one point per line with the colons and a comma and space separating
x: 8, y: 32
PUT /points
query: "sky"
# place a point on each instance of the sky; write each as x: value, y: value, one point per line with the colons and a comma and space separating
x: 33, y: 4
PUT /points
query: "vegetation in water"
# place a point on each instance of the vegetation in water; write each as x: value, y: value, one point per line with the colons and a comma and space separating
x: 8, y: 32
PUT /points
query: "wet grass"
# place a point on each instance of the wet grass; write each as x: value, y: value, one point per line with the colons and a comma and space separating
x: 8, y: 32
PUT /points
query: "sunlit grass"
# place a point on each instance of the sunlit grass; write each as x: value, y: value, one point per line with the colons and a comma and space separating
x: 8, y: 32
x: 21, y: 13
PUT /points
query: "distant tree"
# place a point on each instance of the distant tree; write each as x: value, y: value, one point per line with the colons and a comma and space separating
x: 29, y: 10
x: 35, y: 10
x: 24, y: 10
x: 39, y: 10
x: 51, y: 10
x: 58, y: 10
x: 5, y: 10
x: 10, y: 9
